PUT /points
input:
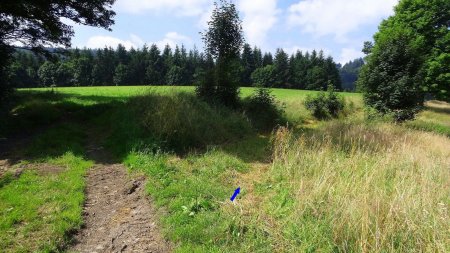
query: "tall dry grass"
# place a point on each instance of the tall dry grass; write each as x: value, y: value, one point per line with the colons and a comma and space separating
x: 361, y: 188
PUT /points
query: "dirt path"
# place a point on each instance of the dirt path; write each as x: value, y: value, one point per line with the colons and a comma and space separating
x: 118, y: 216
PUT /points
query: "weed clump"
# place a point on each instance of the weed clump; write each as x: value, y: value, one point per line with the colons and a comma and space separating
x: 325, y: 105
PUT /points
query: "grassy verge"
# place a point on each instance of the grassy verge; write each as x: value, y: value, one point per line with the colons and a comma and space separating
x: 192, y: 154
x: 38, y: 210
x: 42, y: 206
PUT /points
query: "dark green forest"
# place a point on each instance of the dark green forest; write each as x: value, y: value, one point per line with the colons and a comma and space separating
x: 173, y: 66
x: 349, y: 74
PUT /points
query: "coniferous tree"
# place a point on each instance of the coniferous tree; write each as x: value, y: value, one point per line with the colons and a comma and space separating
x: 248, y: 65
x: 281, y: 63
x: 146, y: 66
x: 258, y: 58
x: 333, y: 76
x: 166, y: 59
x: 121, y: 75
x: 155, y: 67
x: 122, y: 55
x: 349, y: 74
x: 300, y: 69
x: 267, y: 59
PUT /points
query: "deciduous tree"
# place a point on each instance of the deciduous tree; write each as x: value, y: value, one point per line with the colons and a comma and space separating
x: 409, y: 59
x: 223, y: 41
x: 36, y: 24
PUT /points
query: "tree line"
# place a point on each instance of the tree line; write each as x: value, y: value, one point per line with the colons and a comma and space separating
x: 178, y: 66
x: 37, y: 24
x: 349, y: 74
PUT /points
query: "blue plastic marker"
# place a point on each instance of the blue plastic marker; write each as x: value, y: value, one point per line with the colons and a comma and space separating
x: 236, y: 192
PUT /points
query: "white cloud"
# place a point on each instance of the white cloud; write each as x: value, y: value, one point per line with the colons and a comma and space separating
x: 179, y: 7
x: 259, y: 17
x: 109, y: 41
x: 205, y: 18
x: 136, y: 40
x: 338, y: 17
x: 349, y: 54
x: 172, y: 39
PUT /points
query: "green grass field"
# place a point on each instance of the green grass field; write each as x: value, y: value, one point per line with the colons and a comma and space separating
x: 127, y: 91
x: 345, y: 185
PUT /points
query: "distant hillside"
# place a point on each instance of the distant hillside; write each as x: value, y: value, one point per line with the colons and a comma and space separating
x: 349, y: 74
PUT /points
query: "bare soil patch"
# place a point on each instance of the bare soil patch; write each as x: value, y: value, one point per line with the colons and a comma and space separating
x: 118, y: 215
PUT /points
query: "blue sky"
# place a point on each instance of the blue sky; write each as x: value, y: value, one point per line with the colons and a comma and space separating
x: 339, y: 27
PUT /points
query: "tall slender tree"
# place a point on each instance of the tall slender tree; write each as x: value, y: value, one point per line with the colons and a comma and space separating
x: 281, y: 63
x: 248, y: 65
x: 223, y: 41
x: 155, y: 66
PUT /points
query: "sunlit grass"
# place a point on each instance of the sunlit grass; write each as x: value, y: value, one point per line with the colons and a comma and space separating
x: 315, y: 186
x: 38, y: 211
x: 360, y: 188
x: 436, y: 118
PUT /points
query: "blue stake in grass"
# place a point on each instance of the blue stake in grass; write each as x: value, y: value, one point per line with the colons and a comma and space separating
x: 236, y: 192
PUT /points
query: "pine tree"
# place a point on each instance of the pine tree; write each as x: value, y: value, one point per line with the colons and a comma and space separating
x: 257, y: 57
x: 267, y: 59
x: 248, y: 65
x: 155, y: 67
x: 281, y: 64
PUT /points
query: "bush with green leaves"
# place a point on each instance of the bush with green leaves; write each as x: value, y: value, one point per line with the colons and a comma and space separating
x: 263, y: 110
x: 264, y: 76
x: 325, y: 105
x: 408, y: 59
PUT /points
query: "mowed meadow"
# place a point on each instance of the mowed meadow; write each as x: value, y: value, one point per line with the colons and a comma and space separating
x: 351, y: 184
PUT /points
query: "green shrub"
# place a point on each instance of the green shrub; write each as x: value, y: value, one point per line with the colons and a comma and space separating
x: 265, y: 76
x: 263, y: 110
x: 326, y: 104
